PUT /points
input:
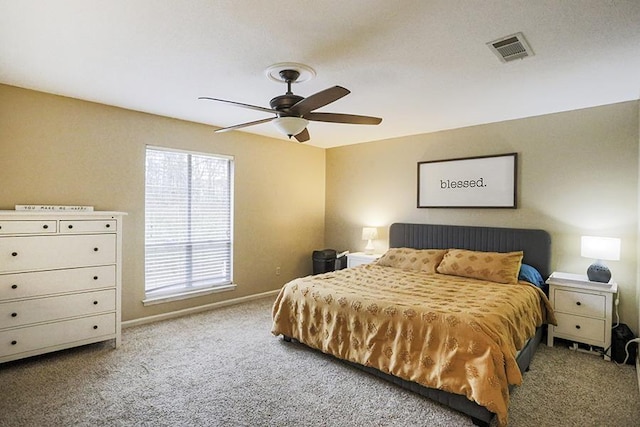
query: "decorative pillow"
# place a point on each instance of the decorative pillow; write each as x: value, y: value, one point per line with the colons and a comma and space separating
x: 531, y: 275
x: 501, y: 267
x: 424, y: 260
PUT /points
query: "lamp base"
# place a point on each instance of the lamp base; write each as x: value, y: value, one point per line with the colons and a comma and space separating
x: 369, y: 248
x: 598, y: 272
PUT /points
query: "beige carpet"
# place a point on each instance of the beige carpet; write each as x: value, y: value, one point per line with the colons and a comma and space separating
x: 224, y: 368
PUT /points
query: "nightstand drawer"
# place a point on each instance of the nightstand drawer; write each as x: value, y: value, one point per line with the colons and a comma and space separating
x: 580, y: 328
x: 580, y: 303
x: 358, y: 258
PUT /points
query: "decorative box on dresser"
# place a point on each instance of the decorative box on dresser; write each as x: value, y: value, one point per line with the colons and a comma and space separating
x: 583, y: 309
x: 60, y: 280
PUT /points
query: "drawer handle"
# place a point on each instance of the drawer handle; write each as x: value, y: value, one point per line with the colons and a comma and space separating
x: 14, y: 342
x: 45, y: 226
x: 95, y: 326
x: 578, y: 303
x: 95, y: 249
x: 14, y: 314
x: 14, y: 253
x: 577, y: 326
x: 95, y: 303
x: 95, y: 277
x: 14, y: 286
x: 70, y: 226
x: 108, y: 225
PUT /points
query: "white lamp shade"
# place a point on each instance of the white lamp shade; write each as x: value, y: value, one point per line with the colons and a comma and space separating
x: 369, y: 233
x: 604, y: 248
x: 290, y: 126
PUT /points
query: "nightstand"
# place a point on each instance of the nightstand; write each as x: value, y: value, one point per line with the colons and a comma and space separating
x: 358, y: 258
x: 583, y: 309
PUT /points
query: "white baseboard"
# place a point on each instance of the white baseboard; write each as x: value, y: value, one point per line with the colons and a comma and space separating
x: 193, y: 310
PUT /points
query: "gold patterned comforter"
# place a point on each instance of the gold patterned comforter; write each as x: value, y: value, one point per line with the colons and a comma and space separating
x: 446, y: 332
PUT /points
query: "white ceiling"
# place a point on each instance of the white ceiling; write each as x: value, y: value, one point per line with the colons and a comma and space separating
x: 421, y: 65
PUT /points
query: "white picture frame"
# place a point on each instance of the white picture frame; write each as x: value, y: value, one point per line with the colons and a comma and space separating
x: 470, y: 182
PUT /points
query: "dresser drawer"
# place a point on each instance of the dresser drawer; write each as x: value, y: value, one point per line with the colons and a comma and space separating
x: 26, y: 312
x: 57, y: 335
x: 580, y: 303
x: 88, y: 226
x: 41, y: 283
x: 28, y: 227
x: 582, y: 329
x: 49, y: 252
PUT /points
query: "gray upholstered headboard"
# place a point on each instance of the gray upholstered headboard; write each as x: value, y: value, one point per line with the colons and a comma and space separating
x: 536, y: 244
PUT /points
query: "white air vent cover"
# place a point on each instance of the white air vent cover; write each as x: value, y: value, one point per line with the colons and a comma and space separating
x: 511, y: 47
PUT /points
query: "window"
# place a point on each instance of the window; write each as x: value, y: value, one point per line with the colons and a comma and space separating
x: 188, y: 223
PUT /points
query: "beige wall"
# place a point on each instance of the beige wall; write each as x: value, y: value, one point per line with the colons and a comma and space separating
x: 577, y: 175
x: 56, y: 150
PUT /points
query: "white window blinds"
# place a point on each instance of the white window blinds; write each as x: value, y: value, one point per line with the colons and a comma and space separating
x: 188, y: 221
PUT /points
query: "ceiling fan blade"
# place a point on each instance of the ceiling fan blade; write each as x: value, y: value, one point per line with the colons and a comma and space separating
x: 343, y: 118
x: 244, y: 125
x: 303, y: 136
x: 319, y: 99
x: 240, y: 104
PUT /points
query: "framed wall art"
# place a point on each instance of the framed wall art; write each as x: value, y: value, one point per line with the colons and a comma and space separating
x: 472, y: 182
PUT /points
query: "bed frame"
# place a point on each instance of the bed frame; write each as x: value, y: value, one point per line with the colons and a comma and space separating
x: 536, y: 245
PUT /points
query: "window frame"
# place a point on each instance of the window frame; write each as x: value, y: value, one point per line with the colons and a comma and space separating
x: 177, y: 292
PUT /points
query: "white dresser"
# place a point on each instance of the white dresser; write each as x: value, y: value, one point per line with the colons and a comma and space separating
x: 60, y: 280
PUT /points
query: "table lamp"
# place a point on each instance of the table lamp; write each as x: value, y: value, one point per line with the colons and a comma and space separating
x: 600, y: 248
x: 369, y: 233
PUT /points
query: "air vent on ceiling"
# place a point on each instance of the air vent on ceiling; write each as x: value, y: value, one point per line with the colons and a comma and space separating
x: 511, y: 47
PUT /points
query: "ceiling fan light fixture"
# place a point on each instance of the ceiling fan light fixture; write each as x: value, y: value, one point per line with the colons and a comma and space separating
x: 290, y: 126
x: 293, y: 112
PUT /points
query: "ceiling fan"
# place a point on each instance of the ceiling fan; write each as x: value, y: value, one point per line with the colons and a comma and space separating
x: 293, y: 112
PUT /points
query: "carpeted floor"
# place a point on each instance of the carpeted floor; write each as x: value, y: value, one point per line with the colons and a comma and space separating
x: 224, y: 368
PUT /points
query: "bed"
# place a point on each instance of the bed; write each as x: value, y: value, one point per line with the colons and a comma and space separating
x: 427, y: 318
